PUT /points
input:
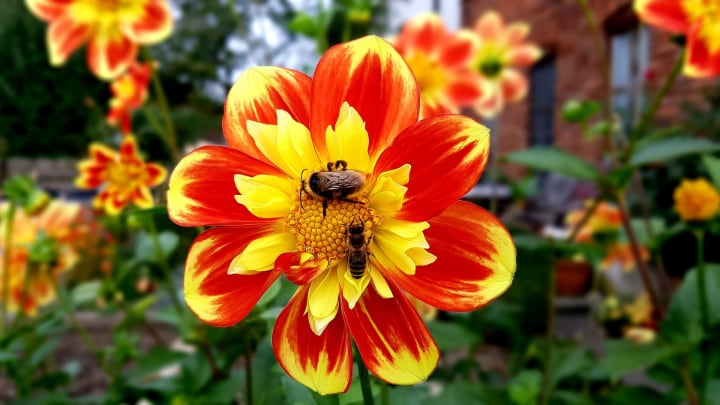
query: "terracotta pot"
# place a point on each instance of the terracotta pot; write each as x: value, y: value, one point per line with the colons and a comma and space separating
x: 572, y: 277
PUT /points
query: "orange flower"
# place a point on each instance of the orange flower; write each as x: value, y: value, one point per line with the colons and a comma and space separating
x: 605, y: 218
x: 499, y: 51
x: 698, y: 20
x: 440, y: 62
x: 113, y: 30
x: 383, y: 225
x: 129, y: 93
x: 31, y: 284
x: 621, y: 254
x: 125, y: 175
x: 696, y: 200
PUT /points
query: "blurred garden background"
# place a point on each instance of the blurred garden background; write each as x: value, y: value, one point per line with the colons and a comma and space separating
x: 603, y: 169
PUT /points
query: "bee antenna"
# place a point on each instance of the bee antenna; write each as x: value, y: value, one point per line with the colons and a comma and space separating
x: 302, y: 187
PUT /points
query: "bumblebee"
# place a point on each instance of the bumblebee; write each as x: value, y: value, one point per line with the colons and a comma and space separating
x: 357, y: 244
x: 335, y: 183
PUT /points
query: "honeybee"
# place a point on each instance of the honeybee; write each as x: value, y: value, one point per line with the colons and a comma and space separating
x: 336, y: 183
x: 357, y: 244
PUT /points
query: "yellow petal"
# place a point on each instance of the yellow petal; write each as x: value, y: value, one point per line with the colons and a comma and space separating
x: 349, y: 141
x: 265, y: 196
x: 323, y: 296
x: 288, y: 144
x: 261, y: 253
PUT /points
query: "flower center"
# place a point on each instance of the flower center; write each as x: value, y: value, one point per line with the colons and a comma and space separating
x: 122, y: 174
x: 326, y: 237
x: 490, y: 68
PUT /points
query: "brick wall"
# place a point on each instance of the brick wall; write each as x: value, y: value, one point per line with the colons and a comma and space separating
x: 558, y: 27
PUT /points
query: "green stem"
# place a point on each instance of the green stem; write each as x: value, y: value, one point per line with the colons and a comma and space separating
x: 169, y: 133
x: 649, y: 114
x: 163, y: 264
x: 248, y: 378
x: 66, y: 307
x: 688, y: 383
x: 364, y: 381
x: 384, y: 394
x: 9, y: 219
x: 704, y: 316
x: 549, y: 335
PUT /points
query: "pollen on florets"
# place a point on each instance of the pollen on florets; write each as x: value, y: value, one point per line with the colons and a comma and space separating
x: 325, y: 238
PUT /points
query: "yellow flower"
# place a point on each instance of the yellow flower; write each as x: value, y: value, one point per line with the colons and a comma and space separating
x: 696, y: 200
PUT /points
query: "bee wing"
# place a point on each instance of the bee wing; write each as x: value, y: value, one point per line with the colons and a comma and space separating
x: 342, y: 180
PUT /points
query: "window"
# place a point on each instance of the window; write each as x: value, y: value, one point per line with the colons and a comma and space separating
x: 542, y: 102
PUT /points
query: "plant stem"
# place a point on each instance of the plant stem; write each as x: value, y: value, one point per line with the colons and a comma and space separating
x: 67, y: 308
x: 384, y: 394
x: 704, y: 315
x: 637, y: 256
x: 549, y: 335
x: 688, y: 383
x: 248, y: 377
x: 651, y: 109
x: 7, y: 251
x: 364, y: 380
x: 169, y: 134
x: 586, y: 217
x: 162, y: 263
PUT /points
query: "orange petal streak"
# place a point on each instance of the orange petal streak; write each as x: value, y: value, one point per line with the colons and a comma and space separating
x: 257, y: 95
x: 665, y: 14
x: 110, y: 54
x: 393, y: 340
x: 64, y: 36
x: 48, y: 10
x: 153, y: 26
x: 439, y: 175
x: 323, y: 363
x: 218, y: 298
x: 202, y: 187
x: 374, y: 79
x: 700, y: 62
x: 474, y: 269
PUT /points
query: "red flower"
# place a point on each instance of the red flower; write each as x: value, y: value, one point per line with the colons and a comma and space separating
x: 129, y: 93
x: 113, y: 30
x: 273, y: 215
x: 439, y: 60
x: 698, y: 20
x: 124, y: 176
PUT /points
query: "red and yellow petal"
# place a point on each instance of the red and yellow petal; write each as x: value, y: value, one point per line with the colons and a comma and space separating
x: 216, y: 297
x: 700, y: 61
x: 142, y: 197
x: 459, y: 155
x: 392, y: 339
x: 459, y: 49
x: 424, y: 32
x: 490, y: 26
x: 465, y: 89
x: 256, y: 96
x: 474, y: 269
x: 323, y: 363
x: 665, y: 14
x: 152, y: 26
x: 524, y: 55
x: 371, y: 77
x: 48, y: 10
x: 154, y: 174
x: 514, y: 85
x: 202, y: 187
x: 110, y: 53
x: 64, y: 36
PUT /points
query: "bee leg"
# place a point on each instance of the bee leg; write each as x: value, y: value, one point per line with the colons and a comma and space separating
x: 350, y: 200
x: 340, y: 165
x: 330, y: 166
x: 325, y: 205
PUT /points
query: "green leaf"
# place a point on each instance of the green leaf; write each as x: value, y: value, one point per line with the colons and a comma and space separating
x: 303, y: 24
x: 554, y: 160
x: 524, y: 388
x: 636, y: 395
x: 667, y: 149
x: 566, y: 362
x: 623, y: 356
x: 580, y: 110
x: 86, y: 292
x: 712, y: 165
x: 682, y: 322
x: 145, y: 250
x: 451, y: 336
x: 147, y: 372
